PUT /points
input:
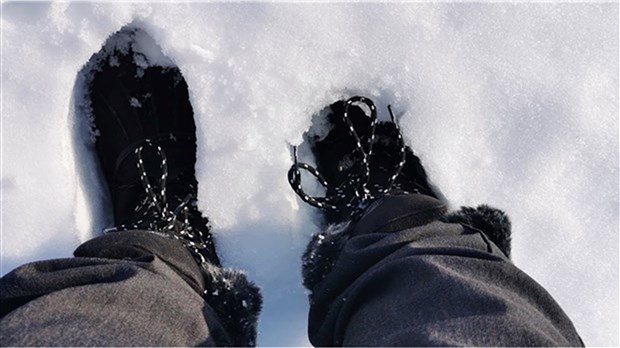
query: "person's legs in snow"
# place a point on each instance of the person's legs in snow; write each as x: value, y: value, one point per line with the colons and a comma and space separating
x: 393, y: 267
x: 155, y: 278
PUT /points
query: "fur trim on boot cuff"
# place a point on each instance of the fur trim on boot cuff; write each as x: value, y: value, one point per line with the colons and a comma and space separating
x: 493, y: 222
x: 321, y: 254
x: 236, y: 300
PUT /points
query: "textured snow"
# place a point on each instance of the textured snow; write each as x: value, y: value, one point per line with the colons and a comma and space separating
x: 515, y: 105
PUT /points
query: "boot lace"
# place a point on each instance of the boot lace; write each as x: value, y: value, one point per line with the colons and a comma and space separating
x: 154, y: 214
x: 353, y: 195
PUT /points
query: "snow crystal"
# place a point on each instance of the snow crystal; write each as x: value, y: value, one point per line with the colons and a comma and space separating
x: 135, y: 102
x: 114, y: 61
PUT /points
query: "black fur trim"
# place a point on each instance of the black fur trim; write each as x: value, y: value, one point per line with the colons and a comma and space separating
x: 236, y: 300
x: 493, y: 222
x: 321, y: 254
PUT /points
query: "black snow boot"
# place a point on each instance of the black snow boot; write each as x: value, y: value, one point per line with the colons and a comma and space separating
x: 359, y: 160
x: 146, y: 143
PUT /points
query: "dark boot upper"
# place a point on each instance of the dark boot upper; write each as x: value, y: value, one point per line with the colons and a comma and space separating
x: 131, y: 104
x: 146, y: 144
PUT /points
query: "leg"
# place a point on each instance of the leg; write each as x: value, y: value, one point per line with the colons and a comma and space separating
x: 393, y: 269
x: 400, y: 280
x: 123, y: 289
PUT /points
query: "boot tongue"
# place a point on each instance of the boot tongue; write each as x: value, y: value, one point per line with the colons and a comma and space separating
x: 129, y: 200
x: 337, y: 153
x: 176, y: 167
x: 383, y: 161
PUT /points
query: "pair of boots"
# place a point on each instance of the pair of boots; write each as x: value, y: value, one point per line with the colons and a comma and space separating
x: 146, y: 144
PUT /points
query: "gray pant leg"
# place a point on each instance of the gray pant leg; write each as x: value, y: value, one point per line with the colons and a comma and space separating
x: 402, y: 278
x: 123, y: 289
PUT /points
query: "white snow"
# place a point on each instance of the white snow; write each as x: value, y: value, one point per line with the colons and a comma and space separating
x: 515, y: 105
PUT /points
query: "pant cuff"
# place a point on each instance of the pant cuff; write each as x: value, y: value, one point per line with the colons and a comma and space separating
x: 140, y: 245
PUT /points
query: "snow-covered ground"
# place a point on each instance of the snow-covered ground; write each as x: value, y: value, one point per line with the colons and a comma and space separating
x: 515, y: 105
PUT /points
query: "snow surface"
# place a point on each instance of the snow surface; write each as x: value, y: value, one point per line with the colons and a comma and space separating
x: 515, y: 105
